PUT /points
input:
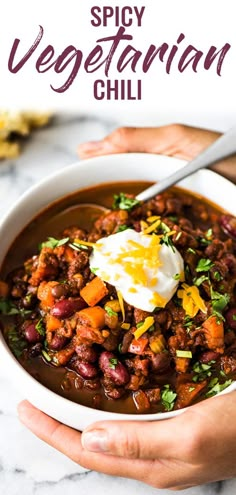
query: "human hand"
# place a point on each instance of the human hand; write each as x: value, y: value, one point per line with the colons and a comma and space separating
x: 176, y: 140
x: 191, y: 449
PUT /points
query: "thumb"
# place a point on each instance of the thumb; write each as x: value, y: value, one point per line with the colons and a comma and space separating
x: 135, y: 440
x: 131, y: 139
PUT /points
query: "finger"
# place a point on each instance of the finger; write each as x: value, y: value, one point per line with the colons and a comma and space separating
x: 133, y: 139
x: 154, y: 472
x: 143, y: 440
x: 67, y: 441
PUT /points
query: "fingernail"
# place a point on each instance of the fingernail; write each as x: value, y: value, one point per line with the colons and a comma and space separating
x: 90, y: 146
x: 95, y: 441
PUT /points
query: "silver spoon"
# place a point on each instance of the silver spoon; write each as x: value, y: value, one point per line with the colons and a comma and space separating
x: 222, y: 148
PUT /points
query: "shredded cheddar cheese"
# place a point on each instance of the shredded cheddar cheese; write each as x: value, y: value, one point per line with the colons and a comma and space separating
x: 125, y: 326
x: 191, y: 300
x: 153, y: 218
x: 158, y: 300
x: 122, y: 306
x: 86, y: 243
x: 148, y: 322
x: 152, y: 227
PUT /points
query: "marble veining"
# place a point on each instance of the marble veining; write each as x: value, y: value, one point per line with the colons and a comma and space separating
x: 27, y: 465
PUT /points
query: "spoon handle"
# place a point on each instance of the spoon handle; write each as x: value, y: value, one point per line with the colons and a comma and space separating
x: 220, y: 149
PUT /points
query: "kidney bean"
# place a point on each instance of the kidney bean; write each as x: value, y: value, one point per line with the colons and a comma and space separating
x: 208, y: 356
x: 86, y: 353
x: 160, y: 362
x: 58, y: 342
x: 67, y: 307
x: 228, y: 224
x: 231, y: 318
x: 59, y: 291
x: 86, y: 370
x: 31, y: 334
x: 116, y: 371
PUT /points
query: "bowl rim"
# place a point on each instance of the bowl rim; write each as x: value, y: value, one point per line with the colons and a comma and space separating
x: 5, y: 350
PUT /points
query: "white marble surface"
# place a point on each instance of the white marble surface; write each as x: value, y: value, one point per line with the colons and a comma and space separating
x: 27, y: 465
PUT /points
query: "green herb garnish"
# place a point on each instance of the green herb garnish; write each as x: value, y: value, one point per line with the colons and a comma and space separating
x: 94, y: 270
x: 198, y: 281
x: 140, y: 324
x: 219, y: 302
x: 40, y: 327
x: 7, y: 308
x: 184, y: 354
x: 176, y: 276
x: 121, y: 228
x: 110, y: 311
x: 209, y: 233
x: 202, y: 371
x: 216, y: 387
x: 122, y: 202
x: 112, y: 363
x: 77, y: 247
x: 190, y: 250
x: 168, y: 397
x: 217, y: 276
x: 46, y: 355
x: 204, y: 265
x: 53, y: 243
x: 16, y: 343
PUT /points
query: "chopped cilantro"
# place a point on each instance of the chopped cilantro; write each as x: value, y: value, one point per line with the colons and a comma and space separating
x: 188, y: 322
x: 151, y: 329
x: 209, y: 233
x: 53, y: 243
x: 94, y: 270
x: 46, y: 355
x: 202, y: 371
x: 204, y: 265
x: 40, y: 327
x: 167, y: 241
x: 216, y: 387
x: 176, y: 276
x: 16, y: 343
x: 203, y: 241
x: 168, y: 397
x: 219, y: 302
x: 110, y: 311
x: 190, y: 250
x: 121, y: 228
x: 77, y: 247
x: 198, y: 281
x: 140, y: 324
x: 191, y: 389
x: 122, y: 202
x: 7, y: 308
x: 112, y: 363
x: 217, y: 276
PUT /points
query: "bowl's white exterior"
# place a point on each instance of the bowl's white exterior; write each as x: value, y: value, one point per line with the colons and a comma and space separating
x: 120, y: 167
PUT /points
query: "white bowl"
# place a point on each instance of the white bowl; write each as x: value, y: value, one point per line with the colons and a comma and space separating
x: 123, y: 167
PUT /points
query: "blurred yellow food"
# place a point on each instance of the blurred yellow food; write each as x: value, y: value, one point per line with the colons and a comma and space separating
x: 14, y: 125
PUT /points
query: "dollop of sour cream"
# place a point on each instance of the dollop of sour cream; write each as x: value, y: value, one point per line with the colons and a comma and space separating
x: 143, y: 270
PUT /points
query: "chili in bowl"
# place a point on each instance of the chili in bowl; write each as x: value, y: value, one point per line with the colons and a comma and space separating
x: 131, y: 313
